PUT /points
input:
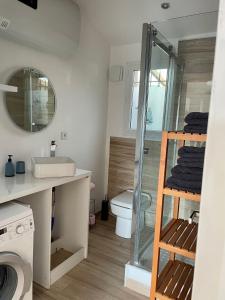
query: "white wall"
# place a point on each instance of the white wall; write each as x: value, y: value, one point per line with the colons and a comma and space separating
x: 117, y: 106
x: 53, y: 27
x: 81, y: 89
x: 210, y: 260
x: 117, y: 109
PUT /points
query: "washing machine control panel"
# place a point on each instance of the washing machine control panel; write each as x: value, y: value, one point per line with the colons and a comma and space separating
x: 16, y: 229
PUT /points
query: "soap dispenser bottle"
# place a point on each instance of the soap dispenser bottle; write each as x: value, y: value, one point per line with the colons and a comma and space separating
x: 9, y: 168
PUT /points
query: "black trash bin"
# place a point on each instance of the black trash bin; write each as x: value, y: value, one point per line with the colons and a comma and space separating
x: 105, y: 210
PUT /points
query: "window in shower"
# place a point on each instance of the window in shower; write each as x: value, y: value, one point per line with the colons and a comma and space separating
x: 156, y: 103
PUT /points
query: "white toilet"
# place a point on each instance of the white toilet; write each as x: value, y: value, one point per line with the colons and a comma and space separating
x: 122, y: 207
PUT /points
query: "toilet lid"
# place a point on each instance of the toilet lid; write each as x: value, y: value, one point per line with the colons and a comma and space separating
x: 124, y: 199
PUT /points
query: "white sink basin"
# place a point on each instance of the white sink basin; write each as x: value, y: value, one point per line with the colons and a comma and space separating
x: 44, y: 167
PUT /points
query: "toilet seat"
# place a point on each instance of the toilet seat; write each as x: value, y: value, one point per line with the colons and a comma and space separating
x: 124, y: 200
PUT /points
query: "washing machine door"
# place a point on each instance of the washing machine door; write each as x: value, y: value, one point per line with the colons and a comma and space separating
x: 15, y: 276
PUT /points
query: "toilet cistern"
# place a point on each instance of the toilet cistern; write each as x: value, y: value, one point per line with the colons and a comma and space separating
x: 52, y: 148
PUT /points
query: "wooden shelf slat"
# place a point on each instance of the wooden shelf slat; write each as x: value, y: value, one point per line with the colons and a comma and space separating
x: 164, y: 272
x: 167, y: 227
x: 166, y: 237
x: 175, y: 281
x: 180, y: 238
x: 187, y: 292
x: 187, y: 276
x: 182, y: 136
x: 182, y: 194
x: 190, y: 243
x: 167, y: 277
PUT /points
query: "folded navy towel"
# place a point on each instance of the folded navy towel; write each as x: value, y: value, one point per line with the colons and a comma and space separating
x: 187, y: 170
x: 199, y: 122
x: 189, y: 186
x: 187, y: 174
x: 195, y: 129
x: 191, y: 152
x: 196, y: 115
x: 190, y: 162
x: 196, y: 184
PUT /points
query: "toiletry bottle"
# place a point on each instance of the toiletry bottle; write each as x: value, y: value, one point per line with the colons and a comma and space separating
x: 9, y: 168
x: 53, y: 149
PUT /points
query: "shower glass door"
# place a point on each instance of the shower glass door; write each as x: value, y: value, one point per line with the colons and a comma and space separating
x: 156, y: 112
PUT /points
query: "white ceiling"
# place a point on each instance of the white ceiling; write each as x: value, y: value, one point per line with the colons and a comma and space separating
x: 120, y: 21
x: 202, y: 25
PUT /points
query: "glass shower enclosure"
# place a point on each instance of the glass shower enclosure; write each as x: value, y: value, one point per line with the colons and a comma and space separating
x: 158, y: 107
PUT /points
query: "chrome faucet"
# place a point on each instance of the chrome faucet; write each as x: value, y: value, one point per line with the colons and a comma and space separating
x: 53, y: 148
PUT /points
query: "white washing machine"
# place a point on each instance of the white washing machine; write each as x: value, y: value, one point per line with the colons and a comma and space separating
x: 16, y: 251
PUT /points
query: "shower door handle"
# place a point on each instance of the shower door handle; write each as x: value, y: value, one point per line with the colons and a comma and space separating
x: 137, y: 184
x: 135, y: 201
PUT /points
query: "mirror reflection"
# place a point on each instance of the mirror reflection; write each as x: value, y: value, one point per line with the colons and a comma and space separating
x: 32, y: 108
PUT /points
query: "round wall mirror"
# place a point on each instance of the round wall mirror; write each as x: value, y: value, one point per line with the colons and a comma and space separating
x: 32, y: 108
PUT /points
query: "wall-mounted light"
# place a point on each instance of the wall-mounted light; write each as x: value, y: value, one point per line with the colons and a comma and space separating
x: 165, y: 5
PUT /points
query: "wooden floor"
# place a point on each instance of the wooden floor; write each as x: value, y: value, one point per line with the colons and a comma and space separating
x: 101, y: 276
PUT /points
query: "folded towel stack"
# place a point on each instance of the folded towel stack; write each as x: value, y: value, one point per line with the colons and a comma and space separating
x: 187, y: 175
x: 196, y: 122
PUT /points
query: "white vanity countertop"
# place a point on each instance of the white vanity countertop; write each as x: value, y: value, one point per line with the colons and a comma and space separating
x: 12, y: 188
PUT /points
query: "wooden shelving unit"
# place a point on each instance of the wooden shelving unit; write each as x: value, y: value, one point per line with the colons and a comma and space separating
x: 178, y: 237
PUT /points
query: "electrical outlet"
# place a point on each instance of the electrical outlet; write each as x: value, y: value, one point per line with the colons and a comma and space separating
x: 64, y: 135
